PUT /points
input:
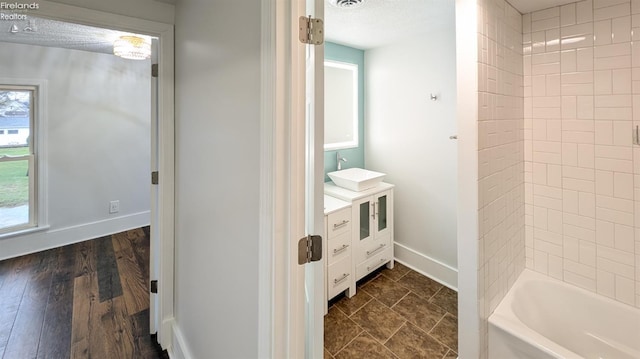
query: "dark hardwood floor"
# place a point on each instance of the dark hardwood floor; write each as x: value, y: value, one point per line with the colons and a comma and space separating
x: 87, y: 300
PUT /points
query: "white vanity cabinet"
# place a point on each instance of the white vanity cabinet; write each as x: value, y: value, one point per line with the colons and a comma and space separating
x: 338, y: 247
x: 372, y: 229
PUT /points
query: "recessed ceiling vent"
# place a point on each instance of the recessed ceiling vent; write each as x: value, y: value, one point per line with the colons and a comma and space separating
x: 348, y: 4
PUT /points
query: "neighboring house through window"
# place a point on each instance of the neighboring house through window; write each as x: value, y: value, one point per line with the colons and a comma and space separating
x: 18, y: 171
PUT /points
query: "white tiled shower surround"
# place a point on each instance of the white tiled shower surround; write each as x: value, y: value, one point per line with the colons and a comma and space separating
x: 501, y: 157
x: 582, y: 170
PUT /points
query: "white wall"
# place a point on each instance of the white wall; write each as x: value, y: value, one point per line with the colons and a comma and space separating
x: 407, y: 137
x: 217, y: 177
x: 98, y: 139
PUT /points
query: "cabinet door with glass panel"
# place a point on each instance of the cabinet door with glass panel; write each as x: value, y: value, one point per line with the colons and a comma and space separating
x: 372, y: 234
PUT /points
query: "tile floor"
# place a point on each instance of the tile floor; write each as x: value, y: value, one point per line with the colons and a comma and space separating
x: 396, y: 314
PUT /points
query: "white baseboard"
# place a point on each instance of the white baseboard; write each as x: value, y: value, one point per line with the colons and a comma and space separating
x: 421, y: 263
x: 37, y: 241
x: 178, y: 348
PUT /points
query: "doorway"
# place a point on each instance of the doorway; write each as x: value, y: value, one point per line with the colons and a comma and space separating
x: 409, y: 133
x: 162, y: 246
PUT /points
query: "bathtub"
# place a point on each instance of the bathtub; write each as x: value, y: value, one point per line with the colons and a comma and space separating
x: 542, y: 318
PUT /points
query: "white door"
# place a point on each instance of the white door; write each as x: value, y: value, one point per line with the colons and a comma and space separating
x: 314, y: 115
x: 308, y: 138
x: 154, y: 261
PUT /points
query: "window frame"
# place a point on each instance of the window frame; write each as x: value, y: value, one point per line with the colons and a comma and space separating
x: 38, y: 216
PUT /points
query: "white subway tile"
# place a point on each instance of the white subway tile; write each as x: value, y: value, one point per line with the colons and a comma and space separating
x: 571, y: 248
x: 526, y: 23
x: 622, y: 81
x: 624, y: 238
x: 551, y: 237
x: 568, y: 15
x: 549, y: 101
x: 553, y: 85
x: 635, y: 6
x: 579, y: 232
x: 617, y: 204
x: 625, y: 290
x: 577, y: 77
x: 539, y: 217
x: 540, y: 262
x: 614, y: 216
x: 585, y: 107
x: 549, y: 13
x: 579, y: 221
x: 603, y: 82
x: 545, y: 58
x: 570, y: 154
x: 554, y: 130
x: 602, y: 32
x: 622, y: 133
x: 570, y: 201
x: 587, y: 204
x: 553, y: 40
x: 623, y: 185
x: 580, y: 281
x: 538, y: 42
x: 577, y: 89
x: 613, y: 113
x: 588, y: 253
x: 570, y: 107
x: 611, y: 11
x: 555, y: 267
x: 586, y: 155
x: 614, y: 100
x: 578, y: 173
x: 539, y: 85
x: 605, y: 233
x: 584, y: 58
x: 614, y: 152
x: 547, y: 202
x: 604, y: 183
x: 621, y: 29
x: 603, y: 132
x: 580, y: 269
x: 613, y: 62
x: 597, y: 4
x: 539, y: 173
x: 578, y: 125
x: 540, y: 130
x: 568, y: 61
x: 554, y: 221
x: 578, y: 137
x: 547, y: 247
x: 554, y: 176
x: 616, y: 255
x: 606, y: 283
x: 546, y: 24
x: 584, y: 11
x: 617, y: 268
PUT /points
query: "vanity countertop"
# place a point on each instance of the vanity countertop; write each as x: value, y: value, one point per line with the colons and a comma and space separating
x: 332, y: 204
x: 332, y: 190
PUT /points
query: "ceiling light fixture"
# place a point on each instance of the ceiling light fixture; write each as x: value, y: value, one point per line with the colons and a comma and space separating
x: 348, y: 4
x: 132, y: 47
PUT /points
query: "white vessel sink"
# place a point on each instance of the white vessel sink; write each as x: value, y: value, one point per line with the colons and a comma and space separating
x: 356, y: 179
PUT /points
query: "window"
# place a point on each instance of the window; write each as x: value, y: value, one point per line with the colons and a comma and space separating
x: 18, y: 173
x: 1, y: 132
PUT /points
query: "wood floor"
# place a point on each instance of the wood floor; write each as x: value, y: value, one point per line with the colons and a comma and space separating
x: 87, y: 300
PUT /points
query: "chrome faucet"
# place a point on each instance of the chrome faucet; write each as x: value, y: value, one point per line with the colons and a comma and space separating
x: 340, y: 160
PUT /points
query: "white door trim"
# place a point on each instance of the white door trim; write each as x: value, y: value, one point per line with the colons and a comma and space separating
x: 282, y: 183
x: 166, y: 158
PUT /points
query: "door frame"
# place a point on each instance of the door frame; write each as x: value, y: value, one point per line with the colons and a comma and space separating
x: 166, y: 145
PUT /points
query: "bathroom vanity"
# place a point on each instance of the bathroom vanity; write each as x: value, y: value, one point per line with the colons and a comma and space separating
x: 359, y: 234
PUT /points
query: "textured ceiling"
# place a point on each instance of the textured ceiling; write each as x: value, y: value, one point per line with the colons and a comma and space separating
x: 45, y: 32
x: 377, y: 23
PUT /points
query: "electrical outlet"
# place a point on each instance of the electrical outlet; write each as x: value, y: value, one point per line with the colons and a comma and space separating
x: 114, y: 206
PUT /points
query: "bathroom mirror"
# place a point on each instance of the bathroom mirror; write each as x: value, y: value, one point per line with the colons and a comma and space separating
x: 340, y: 105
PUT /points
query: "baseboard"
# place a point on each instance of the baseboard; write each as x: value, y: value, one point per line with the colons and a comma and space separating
x: 53, y: 238
x: 178, y: 349
x: 421, y: 263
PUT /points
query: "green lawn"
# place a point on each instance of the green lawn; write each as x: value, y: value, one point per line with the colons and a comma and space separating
x: 14, y: 182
